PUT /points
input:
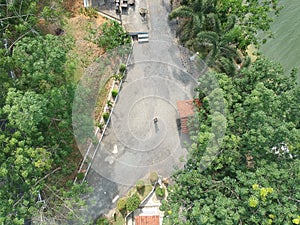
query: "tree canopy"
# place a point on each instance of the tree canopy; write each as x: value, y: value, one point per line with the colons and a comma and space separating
x: 36, y: 95
x: 254, y: 174
x: 254, y: 179
x: 222, y: 30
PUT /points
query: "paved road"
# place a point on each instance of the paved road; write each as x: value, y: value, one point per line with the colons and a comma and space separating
x: 134, y: 145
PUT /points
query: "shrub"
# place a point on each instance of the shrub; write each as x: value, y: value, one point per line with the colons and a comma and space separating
x: 100, y: 125
x: 121, y: 204
x: 90, y: 12
x: 102, y: 221
x: 114, y: 93
x: 160, y: 192
x: 109, y: 103
x: 122, y: 68
x: 133, y: 203
x: 118, y: 77
x: 112, y: 36
x: 105, y: 116
x: 80, y: 176
x: 140, y: 185
x: 153, y: 177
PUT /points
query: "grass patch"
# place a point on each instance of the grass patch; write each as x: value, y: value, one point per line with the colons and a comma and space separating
x: 120, y: 218
x: 147, y: 190
x: 85, y: 51
x: 102, y: 99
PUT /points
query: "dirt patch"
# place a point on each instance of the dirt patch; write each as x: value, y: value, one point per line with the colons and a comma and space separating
x: 85, y: 51
x: 73, y: 6
x: 79, y: 27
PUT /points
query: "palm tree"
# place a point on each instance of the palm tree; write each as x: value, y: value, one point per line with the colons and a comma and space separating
x: 217, y: 40
x: 219, y: 45
x: 226, y: 65
x: 192, y: 17
x: 215, y: 46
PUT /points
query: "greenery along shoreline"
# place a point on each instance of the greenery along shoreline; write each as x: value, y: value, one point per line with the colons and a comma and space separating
x: 255, y: 178
x: 222, y: 30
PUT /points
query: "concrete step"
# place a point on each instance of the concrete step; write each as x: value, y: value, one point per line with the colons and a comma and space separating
x: 143, y: 36
x: 143, y: 40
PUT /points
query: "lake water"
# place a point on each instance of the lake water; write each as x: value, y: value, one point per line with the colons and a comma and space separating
x: 285, y: 47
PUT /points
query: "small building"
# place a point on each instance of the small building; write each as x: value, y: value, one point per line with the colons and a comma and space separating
x: 133, y: 15
x: 186, y: 109
x: 147, y: 220
x: 148, y: 213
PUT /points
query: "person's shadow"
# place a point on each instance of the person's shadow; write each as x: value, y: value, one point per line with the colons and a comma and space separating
x: 156, y: 127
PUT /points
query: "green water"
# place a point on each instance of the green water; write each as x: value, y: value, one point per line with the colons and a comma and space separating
x: 285, y: 47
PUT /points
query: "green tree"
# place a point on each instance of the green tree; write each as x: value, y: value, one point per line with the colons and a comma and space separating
x: 245, y: 197
x: 6, y: 77
x: 20, y: 19
x: 21, y: 174
x: 36, y: 136
x: 133, y: 202
x: 25, y: 110
x: 111, y: 35
x: 39, y: 62
x: 219, y: 45
x: 253, y: 16
x: 223, y: 28
x: 192, y: 17
x: 253, y: 179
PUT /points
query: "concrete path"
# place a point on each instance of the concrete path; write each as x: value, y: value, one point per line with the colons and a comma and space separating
x: 134, y: 145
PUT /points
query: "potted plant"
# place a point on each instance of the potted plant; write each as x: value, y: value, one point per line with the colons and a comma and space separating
x: 122, y: 68
x: 105, y: 116
x: 153, y: 177
x: 140, y: 186
x: 114, y: 93
x: 160, y: 192
x: 100, y: 125
x: 118, y: 77
x: 109, y: 104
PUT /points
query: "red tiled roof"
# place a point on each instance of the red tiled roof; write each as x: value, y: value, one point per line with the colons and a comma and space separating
x: 185, y: 108
x: 146, y: 220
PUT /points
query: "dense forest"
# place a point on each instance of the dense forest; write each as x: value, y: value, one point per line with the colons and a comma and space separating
x: 41, y: 64
x: 256, y: 175
x: 38, y: 157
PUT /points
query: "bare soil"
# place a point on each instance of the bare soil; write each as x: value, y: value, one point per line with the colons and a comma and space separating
x: 78, y: 27
x: 85, y: 51
x: 73, y: 6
